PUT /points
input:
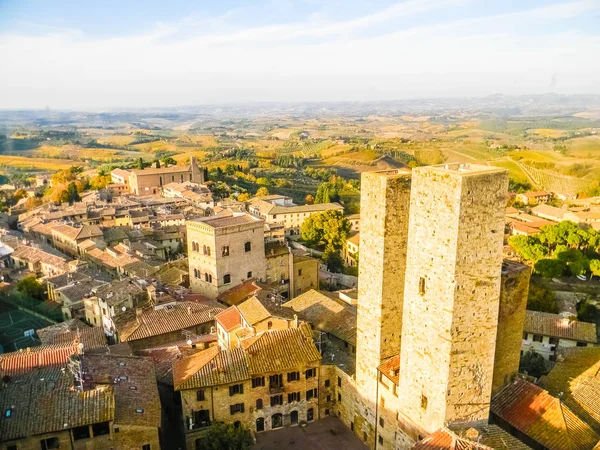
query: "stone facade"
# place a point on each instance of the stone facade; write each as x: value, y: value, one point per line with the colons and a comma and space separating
x: 151, y: 180
x: 451, y: 296
x: 217, y: 403
x: 385, y: 197
x: 304, y: 275
x: 224, y: 252
x: 511, y: 318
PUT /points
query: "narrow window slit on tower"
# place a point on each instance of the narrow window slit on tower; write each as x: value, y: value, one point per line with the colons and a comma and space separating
x: 422, y: 286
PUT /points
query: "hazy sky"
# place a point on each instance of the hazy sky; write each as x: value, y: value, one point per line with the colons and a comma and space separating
x: 129, y: 53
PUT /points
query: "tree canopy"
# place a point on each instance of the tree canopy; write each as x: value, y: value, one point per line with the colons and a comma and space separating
x: 560, y: 249
x: 328, y: 227
x: 221, y: 436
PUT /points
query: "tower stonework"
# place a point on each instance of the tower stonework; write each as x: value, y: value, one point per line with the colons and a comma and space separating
x: 385, y: 201
x: 451, y: 296
x: 511, y: 319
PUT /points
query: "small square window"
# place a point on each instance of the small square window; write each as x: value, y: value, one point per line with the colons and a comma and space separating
x: 249, y: 275
x: 380, y: 440
x: 226, y: 279
x: 381, y: 422
x: 248, y: 246
x: 146, y: 447
x: 327, y: 383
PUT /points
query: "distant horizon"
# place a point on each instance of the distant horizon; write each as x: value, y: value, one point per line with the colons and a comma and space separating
x: 149, y: 53
x: 275, y: 103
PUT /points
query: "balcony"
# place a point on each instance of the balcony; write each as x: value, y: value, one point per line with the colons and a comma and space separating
x: 276, y: 389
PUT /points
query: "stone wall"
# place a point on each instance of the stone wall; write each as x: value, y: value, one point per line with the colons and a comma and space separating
x: 218, y: 401
x: 128, y: 436
x: 238, y: 265
x: 385, y: 200
x: 452, y: 294
x: 511, y: 319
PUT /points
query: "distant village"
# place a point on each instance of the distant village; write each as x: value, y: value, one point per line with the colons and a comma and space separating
x: 148, y: 311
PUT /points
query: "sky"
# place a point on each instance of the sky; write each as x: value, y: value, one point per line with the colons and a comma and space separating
x: 82, y: 54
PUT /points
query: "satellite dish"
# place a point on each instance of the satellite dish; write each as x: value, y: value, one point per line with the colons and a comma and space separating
x: 80, y: 346
x: 123, y: 309
x: 189, y: 342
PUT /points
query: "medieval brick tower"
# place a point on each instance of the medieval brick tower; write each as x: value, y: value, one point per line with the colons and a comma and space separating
x: 385, y: 200
x: 451, y: 295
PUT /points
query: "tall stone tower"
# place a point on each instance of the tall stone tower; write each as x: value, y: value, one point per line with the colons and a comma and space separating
x: 511, y: 319
x: 451, y: 295
x: 385, y: 201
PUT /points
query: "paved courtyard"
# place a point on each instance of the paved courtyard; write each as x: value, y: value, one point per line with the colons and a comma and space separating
x: 325, y: 434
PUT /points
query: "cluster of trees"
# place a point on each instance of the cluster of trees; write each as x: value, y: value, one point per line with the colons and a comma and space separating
x: 561, y: 249
x: 10, y: 198
x: 221, y: 436
x: 289, y: 161
x: 327, y: 193
x: 319, y: 174
x: 330, y: 190
x: 328, y: 229
x: 67, y: 184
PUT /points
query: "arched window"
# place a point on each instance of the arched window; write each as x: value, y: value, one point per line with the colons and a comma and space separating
x: 248, y: 246
x: 208, y: 251
x: 294, y: 417
x: 276, y: 421
x: 226, y: 278
x: 204, y: 249
x: 269, y: 325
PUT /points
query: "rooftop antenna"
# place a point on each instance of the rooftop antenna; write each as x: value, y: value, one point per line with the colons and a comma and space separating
x: 74, y: 366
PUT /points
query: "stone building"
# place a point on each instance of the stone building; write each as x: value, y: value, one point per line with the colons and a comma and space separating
x: 511, y: 318
x: 224, y: 252
x: 384, y: 231
x: 49, y: 408
x: 454, y: 256
x: 151, y: 180
x: 168, y: 322
x: 278, y: 209
x: 269, y: 382
x: 546, y: 334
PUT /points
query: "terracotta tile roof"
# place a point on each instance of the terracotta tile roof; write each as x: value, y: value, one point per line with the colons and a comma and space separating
x: 157, y: 171
x: 67, y: 332
x: 229, y: 221
x: 135, y: 388
x: 354, y: 238
x: 391, y: 368
x: 211, y: 367
x: 54, y: 355
x: 577, y: 377
x: 326, y: 313
x: 282, y: 350
x: 121, y: 173
x: 555, y: 325
x: 548, y: 210
x: 318, y: 207
x: 272, y: 351
x: 239, y: 293
x: 229, y: 319
x: 33, y: 255
x: 444, y: 439
x: 66, y: 231
x: 542, y: 417
x: 154, y: 322
x: 48, y: 403
x: 253, y: 311
x: 491, y: 435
